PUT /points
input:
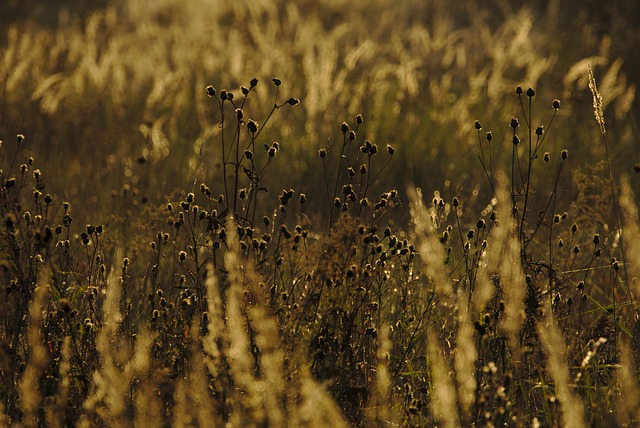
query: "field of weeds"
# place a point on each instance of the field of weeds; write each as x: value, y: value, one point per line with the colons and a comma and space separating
x: 319, y: 213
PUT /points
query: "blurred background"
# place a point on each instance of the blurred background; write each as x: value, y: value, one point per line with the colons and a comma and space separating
x: 111, y: 94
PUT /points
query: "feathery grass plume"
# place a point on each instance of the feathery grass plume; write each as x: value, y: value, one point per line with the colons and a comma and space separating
x: 111, y: 382
x: 443, y: 391
x: 555, y: 349
x: 429, y: 247
x: 505, y: 257
x: 381, y: 404
x: 466, y: 355
x: 597, y: 111
x: 181, y: 411
x: 597, y: 100
x: 109, y: 387
x: 316, y: 408
x: 513, y: 281
x: 55, y: 407
x: 215, y: 338
x: 239, y: 354
x: 28, y: 387
x: 485, y: 288
x: 628, y: 398
x: 272, y: 375
x: 193, y: 406
x: 148, y: 407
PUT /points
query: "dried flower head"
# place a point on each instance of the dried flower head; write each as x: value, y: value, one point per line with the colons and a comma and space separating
x: 252, y: 126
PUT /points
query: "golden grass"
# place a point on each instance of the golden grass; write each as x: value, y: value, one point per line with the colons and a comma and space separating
x: 505, y: 305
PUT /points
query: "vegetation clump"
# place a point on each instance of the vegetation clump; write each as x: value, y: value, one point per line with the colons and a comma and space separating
x: 213, y: 286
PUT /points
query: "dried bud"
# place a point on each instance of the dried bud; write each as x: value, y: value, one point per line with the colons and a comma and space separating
x: 539, y: 131
x: 293, y: 101
x: 556, y: 104
x: 252, y: 126
x: 211, y: 91
x: 239, y: 113
x: 390, y: 149
x: 489, y: 136
x: 530, y: 92
x: 276, y: 81
x: 322, y: 153
x: 519, y: 90
x: 359, y: 119
x: 478, y: 125
x: 344, y: 127
x: 514, y: 123
x: 253, y: 83
x: 564, y: 154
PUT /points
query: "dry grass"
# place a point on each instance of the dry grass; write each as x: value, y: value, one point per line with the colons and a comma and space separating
x: 213, y: 259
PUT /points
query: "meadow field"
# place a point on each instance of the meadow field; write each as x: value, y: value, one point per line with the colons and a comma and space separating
x: 319, y: 213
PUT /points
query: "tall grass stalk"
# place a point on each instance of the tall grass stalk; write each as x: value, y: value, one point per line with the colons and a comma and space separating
x: 599, y: 116
x: 29, y: 386
x: 442, y: 386
x: 553, y: 343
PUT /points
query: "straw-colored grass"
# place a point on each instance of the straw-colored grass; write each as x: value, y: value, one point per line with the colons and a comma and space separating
x: 185, y: 244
